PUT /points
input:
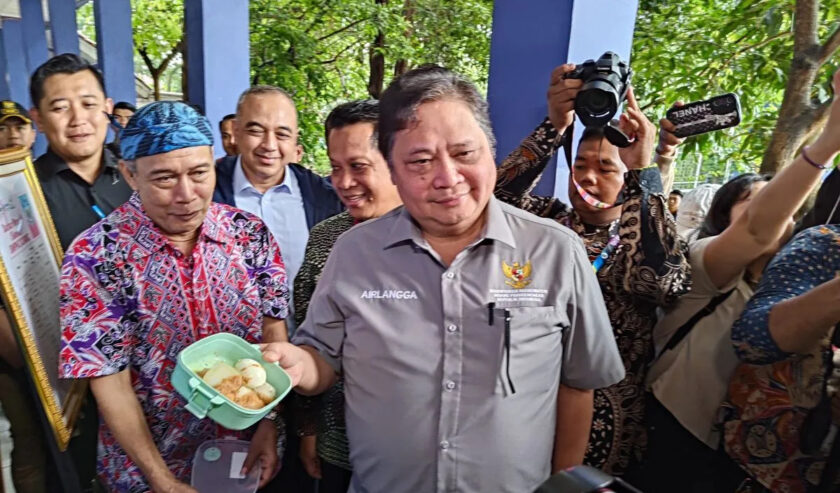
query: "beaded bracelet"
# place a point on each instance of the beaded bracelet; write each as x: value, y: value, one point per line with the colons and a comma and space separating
x: 811, y: 161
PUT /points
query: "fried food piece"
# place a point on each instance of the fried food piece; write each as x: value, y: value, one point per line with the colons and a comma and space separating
x: 253, y: 372
x: 266, y: 392
x: 248, y: 399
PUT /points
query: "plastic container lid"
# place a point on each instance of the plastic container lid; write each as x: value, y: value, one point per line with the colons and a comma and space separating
x: 216, y: 467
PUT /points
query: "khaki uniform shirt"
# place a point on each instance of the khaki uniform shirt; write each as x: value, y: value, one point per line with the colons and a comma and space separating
x: 429, y: 405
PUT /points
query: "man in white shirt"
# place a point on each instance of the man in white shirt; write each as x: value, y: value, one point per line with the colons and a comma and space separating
x: 266, y: 133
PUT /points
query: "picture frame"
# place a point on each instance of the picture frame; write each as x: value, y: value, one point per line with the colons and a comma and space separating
x: 30, y: 272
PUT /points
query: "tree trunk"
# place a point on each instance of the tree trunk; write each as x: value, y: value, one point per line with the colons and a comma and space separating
x: 798, y: 117
x: 156, y: 82
x: 376, y: 79
x: 401, y: 66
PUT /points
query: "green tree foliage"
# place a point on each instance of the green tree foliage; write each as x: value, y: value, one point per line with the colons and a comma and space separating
x: 695, y: 49
x: 158, y: 27
x: 323, y: 51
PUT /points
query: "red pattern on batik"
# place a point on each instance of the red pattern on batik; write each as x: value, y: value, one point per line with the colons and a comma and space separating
x: 131, y: 300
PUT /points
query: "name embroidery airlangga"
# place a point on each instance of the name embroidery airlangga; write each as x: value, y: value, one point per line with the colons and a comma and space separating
x: 389, y: 294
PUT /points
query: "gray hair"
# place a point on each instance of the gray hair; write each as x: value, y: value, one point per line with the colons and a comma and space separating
x: 399, y: 103
x: 260, y: 90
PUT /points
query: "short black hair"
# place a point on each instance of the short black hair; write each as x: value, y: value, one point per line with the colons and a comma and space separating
x: 66, y: 63
x: 732, y: 192
x: 399, y: 102
x: 351, y: 113
x: 676, y: 192
x: 592, y: 133
x: 230, y: 116
x: 125, y: 105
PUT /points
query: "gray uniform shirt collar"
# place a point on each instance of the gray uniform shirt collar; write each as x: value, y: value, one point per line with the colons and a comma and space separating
x: 497, y: 228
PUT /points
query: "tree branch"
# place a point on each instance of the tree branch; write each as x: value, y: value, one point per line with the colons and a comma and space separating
x: 831, y: 45
x: 144, y: 54
x: 341, y: 30
x: 175, y: 50
x: 743, y: 50
x: 338, y: 55
x: 654, y: 102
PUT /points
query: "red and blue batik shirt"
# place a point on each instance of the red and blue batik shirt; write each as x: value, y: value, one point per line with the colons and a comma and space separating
x: 131, y: 300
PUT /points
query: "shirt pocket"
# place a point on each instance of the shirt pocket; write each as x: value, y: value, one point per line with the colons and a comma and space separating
x: 531, y: 361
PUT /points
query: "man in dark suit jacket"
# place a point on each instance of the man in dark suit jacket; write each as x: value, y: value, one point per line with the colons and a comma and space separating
x: 265, y: 179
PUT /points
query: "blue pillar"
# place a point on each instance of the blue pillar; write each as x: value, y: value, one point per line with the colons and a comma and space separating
x: 529, y: 40
x: 34, y: 33
x: 217, y: 56
x: 65, y: 35
x: 4, y: 78
x: 115, y: 48
x: 16, y: 75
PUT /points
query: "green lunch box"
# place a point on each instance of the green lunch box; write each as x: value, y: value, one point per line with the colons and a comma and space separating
x: 205, y: 401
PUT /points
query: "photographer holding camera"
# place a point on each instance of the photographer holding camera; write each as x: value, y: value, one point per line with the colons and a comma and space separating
x: 619, y: 212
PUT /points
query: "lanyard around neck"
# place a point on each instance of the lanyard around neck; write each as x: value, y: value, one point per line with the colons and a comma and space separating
x: 608, y: 249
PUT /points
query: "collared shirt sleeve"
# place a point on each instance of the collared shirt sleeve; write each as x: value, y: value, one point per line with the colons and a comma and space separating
x: 590, y: 355
x: 323, y: 326
x: 652, y: 262
x: 520, y: 172
x: 270, y: 274
x: 809, y: 260
x: 96, y: 337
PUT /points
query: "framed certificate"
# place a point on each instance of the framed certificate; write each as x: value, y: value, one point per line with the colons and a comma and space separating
x: 30, y: 270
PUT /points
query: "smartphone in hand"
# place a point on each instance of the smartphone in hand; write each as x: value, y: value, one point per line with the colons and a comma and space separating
x: 699, y: 117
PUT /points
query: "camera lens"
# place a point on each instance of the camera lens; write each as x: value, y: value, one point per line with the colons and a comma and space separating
x: 597, y: 101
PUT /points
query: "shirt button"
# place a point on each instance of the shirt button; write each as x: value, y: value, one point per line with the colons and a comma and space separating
x: 452, y: 328
x: 450, y: 385
x: 450, y: 275
x: 444, y: 445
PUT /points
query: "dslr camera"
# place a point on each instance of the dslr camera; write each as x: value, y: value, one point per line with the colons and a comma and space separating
x: 605, y: 84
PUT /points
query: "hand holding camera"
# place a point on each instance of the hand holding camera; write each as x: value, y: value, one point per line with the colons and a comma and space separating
x: 562, y: 92
x: 639, y: 131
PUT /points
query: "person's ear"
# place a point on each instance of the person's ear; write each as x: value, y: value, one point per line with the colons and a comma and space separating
x: 36, y: 118
x: 298, y: 153
x: 129, y: 176
x: 109, y: 106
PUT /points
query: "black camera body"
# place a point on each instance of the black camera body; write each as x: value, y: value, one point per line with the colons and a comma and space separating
x: 605, y: 84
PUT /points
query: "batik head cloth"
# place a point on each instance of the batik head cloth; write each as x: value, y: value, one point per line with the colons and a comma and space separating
x: 162, y: 127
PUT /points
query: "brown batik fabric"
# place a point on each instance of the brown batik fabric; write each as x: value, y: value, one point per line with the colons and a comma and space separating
x: 649, y: 269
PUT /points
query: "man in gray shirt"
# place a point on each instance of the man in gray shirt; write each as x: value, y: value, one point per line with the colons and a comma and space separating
x: 470, y: 333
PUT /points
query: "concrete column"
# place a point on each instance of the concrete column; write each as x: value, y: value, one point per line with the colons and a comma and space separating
x: 115, y: 48
x: 218, y: 58
x: 529, y: 40
x: 65, y: 37
x: 34, y: 33
x: 16, y: 75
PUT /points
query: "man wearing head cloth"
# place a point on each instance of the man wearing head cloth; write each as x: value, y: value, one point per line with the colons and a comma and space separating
x: 160, y: 272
